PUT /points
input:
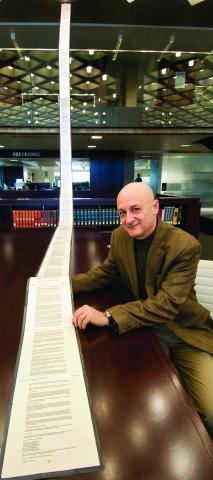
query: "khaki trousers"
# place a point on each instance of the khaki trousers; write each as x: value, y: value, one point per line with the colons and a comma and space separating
x: 195, y: 370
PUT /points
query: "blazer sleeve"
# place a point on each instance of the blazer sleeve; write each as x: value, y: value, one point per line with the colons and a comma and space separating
x: 172, y: 293
x: 98, y: 277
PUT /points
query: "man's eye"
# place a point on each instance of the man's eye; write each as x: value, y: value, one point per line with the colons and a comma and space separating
x: 121, y: 214
x: 135, y: 209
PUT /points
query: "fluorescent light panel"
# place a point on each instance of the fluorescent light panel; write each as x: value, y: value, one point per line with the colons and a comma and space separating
x: 192, y: 2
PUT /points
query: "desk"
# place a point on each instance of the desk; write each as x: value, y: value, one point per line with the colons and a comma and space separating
x: 147, y: 426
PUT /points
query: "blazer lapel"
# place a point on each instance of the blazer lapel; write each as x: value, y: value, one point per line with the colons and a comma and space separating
x: 131, y: 266
x: 155, y: 258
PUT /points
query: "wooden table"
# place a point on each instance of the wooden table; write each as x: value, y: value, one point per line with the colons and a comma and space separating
x: 147, y: 426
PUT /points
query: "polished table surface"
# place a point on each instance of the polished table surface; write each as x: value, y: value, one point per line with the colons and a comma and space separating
x: 146, y: 424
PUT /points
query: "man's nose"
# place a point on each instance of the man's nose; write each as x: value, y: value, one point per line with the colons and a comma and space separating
x: 129, y: 217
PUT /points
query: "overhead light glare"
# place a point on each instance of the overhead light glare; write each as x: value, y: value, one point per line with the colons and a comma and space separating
x: 2, y: 146
x: 192, y: 2
x: 185, y: 145
x: 10, y: 67
x: 91, y: 52
x: 91, y: 146
x: 49, y: 67
x: 104, y: 77
x: 96, y: 137
x: 27, y: 59
x: 89, y: 68
x: 178, y: 54
x: 114, y: 95
x: 163, y: 71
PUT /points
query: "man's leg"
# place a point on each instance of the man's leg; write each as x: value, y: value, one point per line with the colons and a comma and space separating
x: 196, y: 372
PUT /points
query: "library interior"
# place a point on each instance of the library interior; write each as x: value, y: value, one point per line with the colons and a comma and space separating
x: 141, y: 109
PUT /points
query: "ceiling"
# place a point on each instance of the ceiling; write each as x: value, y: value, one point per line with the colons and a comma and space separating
x: 29, y: 89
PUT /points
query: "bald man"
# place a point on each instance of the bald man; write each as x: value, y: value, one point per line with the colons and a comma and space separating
x: 158, y: 264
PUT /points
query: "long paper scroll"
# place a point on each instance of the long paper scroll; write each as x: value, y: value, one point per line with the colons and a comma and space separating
x: 50, y: 430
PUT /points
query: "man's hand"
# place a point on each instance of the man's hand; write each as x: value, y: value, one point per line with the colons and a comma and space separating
x: 87, y: 314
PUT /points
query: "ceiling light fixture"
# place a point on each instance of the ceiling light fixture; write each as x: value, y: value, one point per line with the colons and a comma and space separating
x: 104, y: 77
x: 191, y: 63
x: 192, y: 2
x: 91, y: 52
x: 91, y: 146
x: 89, y: 69
x: 96, y: 137
x: 178, y: 54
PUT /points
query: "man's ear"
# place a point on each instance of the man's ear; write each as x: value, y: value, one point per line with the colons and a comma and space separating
x: 155, y: 206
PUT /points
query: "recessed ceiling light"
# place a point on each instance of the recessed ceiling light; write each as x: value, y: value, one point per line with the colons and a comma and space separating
x: 178, y: 54
x: 52, y: 81
x: 96, y: 137
x: 91, y: 146
x: 186, y: 145
x: 91, y: 52
x: 27, y: 59
x: 87, y: 82
x: 104, y: 76
x: 114, y: 95
x: 88, y: 68
x: 163, y: 71
x: 49, y: 67
x: 2, y: 146
x: 10, y: 67
x: 191, y: 63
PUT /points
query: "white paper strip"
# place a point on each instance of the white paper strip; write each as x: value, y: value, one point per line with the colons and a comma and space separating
x: 50, y: 427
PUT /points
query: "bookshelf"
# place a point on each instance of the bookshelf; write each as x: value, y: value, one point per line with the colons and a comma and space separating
x: 95, y: 213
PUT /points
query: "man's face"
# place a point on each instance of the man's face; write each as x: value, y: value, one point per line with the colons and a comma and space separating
x: 137, y: 213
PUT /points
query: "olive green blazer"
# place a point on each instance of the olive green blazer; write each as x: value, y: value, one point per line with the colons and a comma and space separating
x: 170, y: 277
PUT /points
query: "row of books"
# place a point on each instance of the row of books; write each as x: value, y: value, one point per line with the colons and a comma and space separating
x: 35, y: 218
x: 96, y: 216
x: 84, y: 217
x: 172, y: 215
